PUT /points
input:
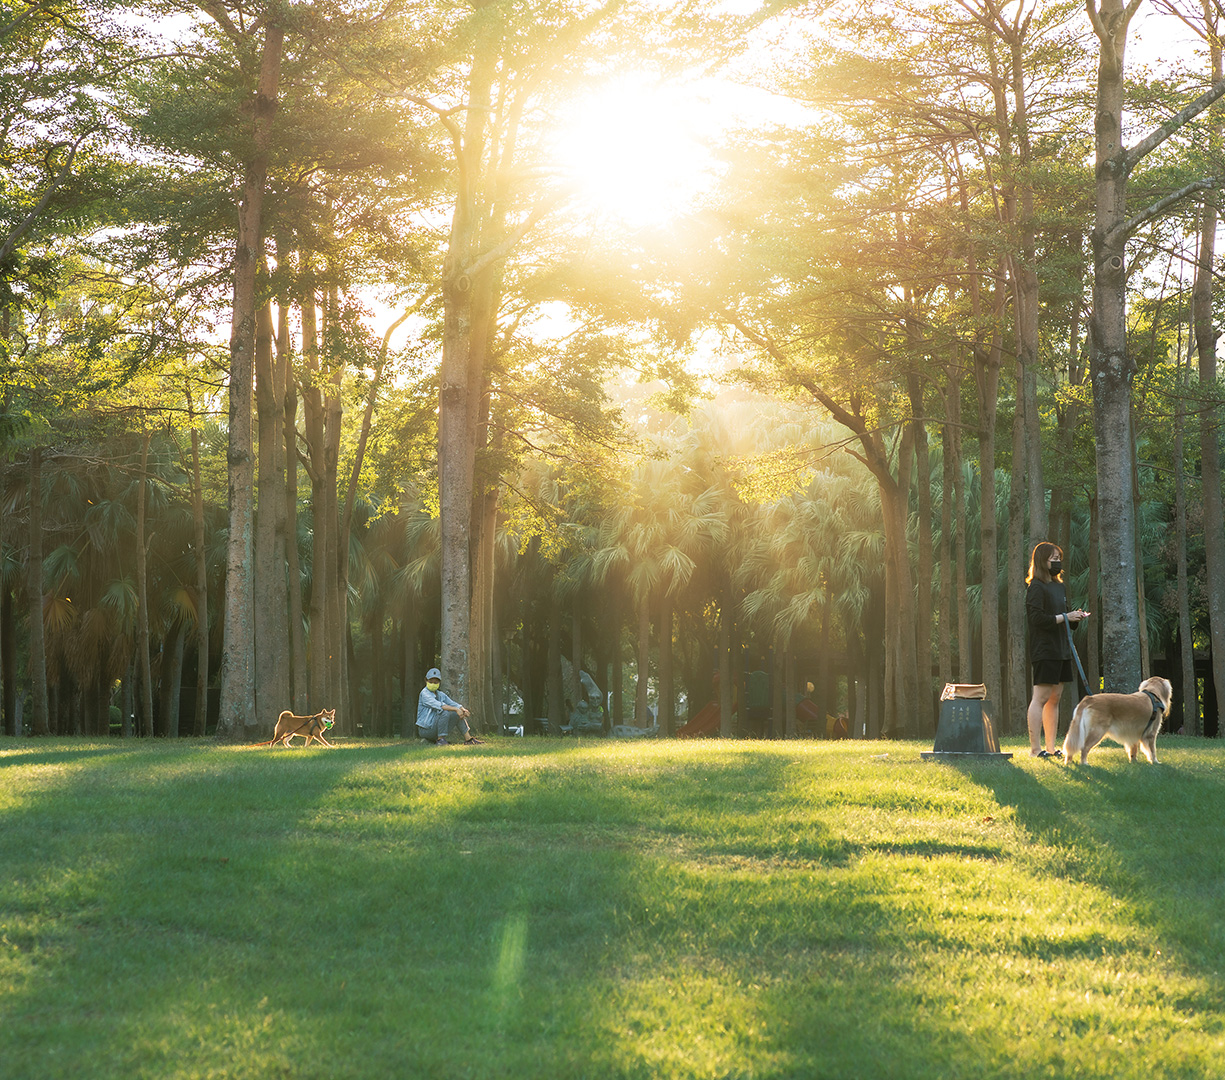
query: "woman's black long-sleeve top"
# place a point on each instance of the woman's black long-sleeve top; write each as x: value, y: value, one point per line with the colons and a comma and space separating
x: 1048, y: 640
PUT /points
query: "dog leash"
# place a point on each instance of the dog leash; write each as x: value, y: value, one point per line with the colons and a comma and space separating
x: 1084, y: 681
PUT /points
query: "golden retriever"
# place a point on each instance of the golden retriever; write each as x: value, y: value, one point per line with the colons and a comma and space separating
x: 1130, y: 719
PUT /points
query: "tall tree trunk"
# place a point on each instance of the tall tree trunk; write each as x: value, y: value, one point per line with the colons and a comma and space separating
x: 289, y: 425
x: 378, y: 711
x: 171, y: 681
x: 272, y: 660
x: 789, y: 690
x: 1141, y: 601
x: 1012, y: 711
x: 1093, y: 652
x: 556, y: 694
x: 527, y: 679
x: 908, y: 700
x: 618, y: 663
x: 323, y: 568
x: 1189, y: 698
x: 499, y: 662
x: 827, y: 697
x: 1112, y: 368
x: 576, y: 649
x: 1026, y: 296
x: 641, y: 719
x: 1206, y: 333
x: 200, y: 720
x: 40, y: 708
x: 8, y: 660
x: 926, y: 703
x: 954, y: 616
x: 336, y: 622
x: 127, y: 697
x: 1068, y: 414
x: 945, y: 553
x: 777, y: 680
x: 142, y: 597
x: 988, y: 371
x: 238, y: 648
x: 725, y: 666
x: 6, y: 717
x: 7, y: 720
x: 484, y: 542
x: 965, y: 648
x: 461, y: 377
x: 667, y: 694
x: 408, y: 631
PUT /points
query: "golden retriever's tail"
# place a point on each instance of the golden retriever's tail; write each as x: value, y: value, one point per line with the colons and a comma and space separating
x: 1074, y: 741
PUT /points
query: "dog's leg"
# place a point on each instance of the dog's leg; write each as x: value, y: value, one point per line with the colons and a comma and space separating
x: 1094, y: 730
x: 1076, y: 734
x: 1131, y: 749
x: 1096, y: 733
x: 1149, y: 746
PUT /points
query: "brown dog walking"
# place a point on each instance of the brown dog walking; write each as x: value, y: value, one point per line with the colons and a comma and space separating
x: 309, y: 727
x: 1131, y: 719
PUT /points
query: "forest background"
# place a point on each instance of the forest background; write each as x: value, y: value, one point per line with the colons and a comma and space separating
x: 657, y: 341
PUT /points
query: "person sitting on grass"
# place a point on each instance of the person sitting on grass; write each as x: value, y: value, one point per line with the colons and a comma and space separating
x: 432, y: 708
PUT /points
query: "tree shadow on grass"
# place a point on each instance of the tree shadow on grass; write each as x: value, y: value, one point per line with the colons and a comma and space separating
x: 1151, y: 838
x: 511, y: 913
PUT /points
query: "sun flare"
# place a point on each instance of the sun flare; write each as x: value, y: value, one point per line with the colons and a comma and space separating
x: 635, y: 151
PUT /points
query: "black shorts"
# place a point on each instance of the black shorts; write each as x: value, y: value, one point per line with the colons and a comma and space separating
x: 1050, y: 672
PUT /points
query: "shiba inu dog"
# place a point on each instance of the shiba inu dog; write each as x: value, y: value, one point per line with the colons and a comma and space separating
x: 309, y: 727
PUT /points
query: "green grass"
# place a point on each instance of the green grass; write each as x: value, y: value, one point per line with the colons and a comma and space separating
x: 536, y: 908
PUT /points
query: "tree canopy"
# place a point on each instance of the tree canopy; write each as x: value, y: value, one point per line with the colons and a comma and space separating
x: 657, y: 342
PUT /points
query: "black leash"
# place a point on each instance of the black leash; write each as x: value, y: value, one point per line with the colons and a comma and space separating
x: 1084, y: 681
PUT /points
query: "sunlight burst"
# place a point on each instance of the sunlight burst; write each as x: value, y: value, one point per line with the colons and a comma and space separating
x: 636, y: 152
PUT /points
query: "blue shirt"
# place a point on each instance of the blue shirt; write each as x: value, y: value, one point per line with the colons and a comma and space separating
x: 430, y: 707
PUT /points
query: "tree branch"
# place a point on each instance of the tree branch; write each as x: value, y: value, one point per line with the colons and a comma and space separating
x: 11, y: 243
x: 1153, y: 210
x: 15, y: 24
x: 503, y: 249
x: 221, y: 17
x: 1137, y: 153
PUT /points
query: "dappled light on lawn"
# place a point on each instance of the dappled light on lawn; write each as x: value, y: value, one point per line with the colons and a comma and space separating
x: 634, y: 152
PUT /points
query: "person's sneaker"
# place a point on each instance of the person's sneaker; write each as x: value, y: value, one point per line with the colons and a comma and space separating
x: 442, y: 741
x: 1051, y: 754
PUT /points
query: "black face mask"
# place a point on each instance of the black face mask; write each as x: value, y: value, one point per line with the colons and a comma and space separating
x: 1055, y: 567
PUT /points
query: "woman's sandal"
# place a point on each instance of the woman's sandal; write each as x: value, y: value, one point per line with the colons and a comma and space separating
x: 469, y: 740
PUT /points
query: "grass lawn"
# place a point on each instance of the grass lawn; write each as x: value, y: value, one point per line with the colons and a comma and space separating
x: 539, y: 908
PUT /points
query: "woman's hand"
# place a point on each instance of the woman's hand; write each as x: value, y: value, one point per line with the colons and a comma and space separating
x: 1076, y: 616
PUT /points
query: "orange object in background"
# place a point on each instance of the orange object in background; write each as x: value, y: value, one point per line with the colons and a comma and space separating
x: 704, y: 722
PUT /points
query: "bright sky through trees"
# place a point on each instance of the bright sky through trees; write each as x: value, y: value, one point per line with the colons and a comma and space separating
x: 635, y: 150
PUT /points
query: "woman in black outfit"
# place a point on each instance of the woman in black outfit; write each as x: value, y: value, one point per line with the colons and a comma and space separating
x: 1050, y: 652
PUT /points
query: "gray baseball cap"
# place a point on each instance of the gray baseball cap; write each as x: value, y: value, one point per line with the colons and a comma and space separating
x: 434, y: 673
